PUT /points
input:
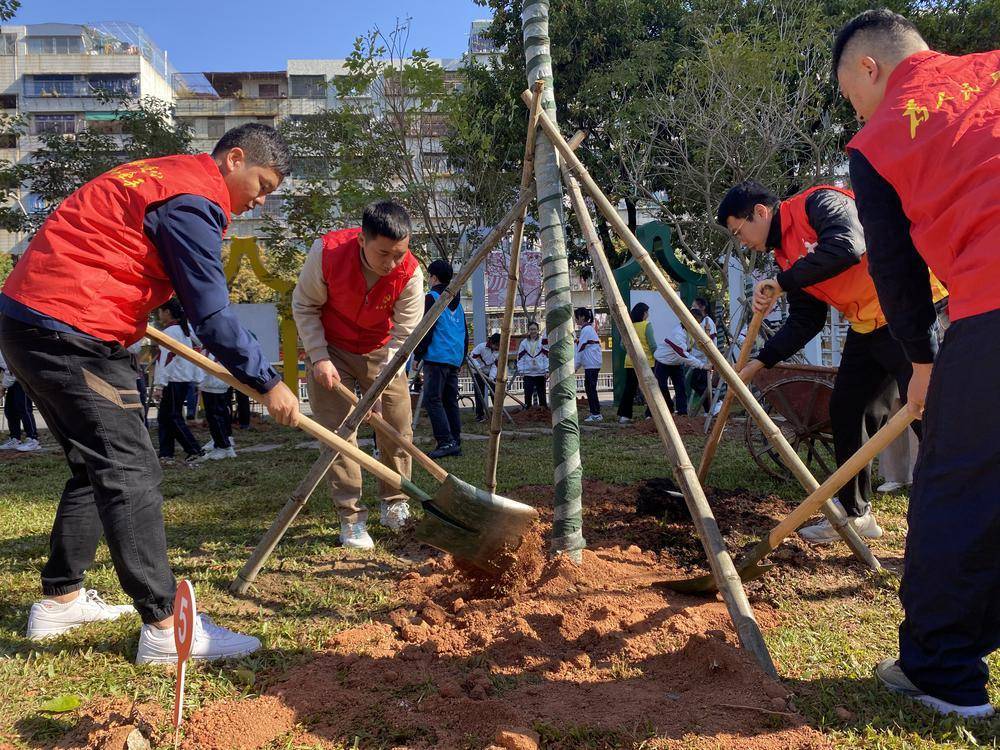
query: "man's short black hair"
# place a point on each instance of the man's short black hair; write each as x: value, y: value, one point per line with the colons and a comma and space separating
x: 441, y: 269
x: 741, y: 199
x: 494, y: 339
x: 702, y: 303
x: 386, y: 218
x: 262, y: 146
x: 896, y: 28
x: 585, y: 313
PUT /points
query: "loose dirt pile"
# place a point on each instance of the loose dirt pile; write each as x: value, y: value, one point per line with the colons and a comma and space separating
x: 115, y: 725
x: 588, y: 654
x: 532, y: 416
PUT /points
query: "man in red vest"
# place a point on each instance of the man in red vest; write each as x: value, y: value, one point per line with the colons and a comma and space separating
x: 360, y: 295
x: 819, y: 246
x: 114, y: 250
x: 926, y: 170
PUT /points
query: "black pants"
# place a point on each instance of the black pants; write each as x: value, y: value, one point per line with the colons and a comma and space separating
x: 20, y: 412
x: 870, y: 364
x: 85, y: 391
x: 534, y: 390
x: 628, y: 394
x: 171, y: 424
x: 242, y: 409
x: 482, y: 392
x: 441, y: 401
x: 590, y: 386
x: 951, y: 573
x: 218, y: 416
x: 191, y: 401
x: 699, y: 387
x: 666, y: 374
x: 140, y: 385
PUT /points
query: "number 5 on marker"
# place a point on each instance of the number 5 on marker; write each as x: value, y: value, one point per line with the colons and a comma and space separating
x: 184, y: 618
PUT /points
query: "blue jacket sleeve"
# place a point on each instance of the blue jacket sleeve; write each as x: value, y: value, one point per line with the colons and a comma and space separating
x: 187, y: 230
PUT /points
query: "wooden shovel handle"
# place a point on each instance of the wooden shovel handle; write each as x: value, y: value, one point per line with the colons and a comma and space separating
x: 305, y: 424
x: 875, y: 445
x: 383, y: 427
x: 723, y: 416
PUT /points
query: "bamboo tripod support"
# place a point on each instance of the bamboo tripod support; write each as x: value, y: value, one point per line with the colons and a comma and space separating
x: 513, y: 273
x: 719, y: 560
x: 792, y: 460
x: 304, y: 490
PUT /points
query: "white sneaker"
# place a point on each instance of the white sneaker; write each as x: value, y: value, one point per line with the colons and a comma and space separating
x: 624, y: 420
x: 891, y: 486
x: 210, y: 445
x: 49, y: 618
x: 824, y: 533
x: 10, y: 444
x: 895, y: 680
x: 231, y: 452
x: 394, y: 515
x: 211, y: 642
x: 31, y: 444
x: 355, y: 535
x: 594, y: 418
x: 216, y: 454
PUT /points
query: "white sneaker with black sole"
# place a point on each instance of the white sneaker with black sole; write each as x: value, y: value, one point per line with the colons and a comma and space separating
x: 891, y: 675
x: 211, y: 642
x: 49, y: 618
x: 824, y: 533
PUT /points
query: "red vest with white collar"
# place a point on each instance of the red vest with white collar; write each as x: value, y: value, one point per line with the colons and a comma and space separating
x: 357, y: 319
x: 91, y: 264
x: 936, y: 139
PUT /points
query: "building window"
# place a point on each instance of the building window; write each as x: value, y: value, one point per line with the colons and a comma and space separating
x: 8, y: 44
x: 216, y: 127
x: 115, y: 85
x: 307, y: 87
x: 51, y: 86
x: 62, y: 123
x: 268, y: 90
x: 55, y: 45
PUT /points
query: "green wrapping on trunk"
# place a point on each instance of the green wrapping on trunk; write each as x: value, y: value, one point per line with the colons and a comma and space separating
x: 567, y: 522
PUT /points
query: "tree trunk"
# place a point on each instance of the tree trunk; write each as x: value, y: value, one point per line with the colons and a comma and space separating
x: 633, y: 218
x: 567, y: 522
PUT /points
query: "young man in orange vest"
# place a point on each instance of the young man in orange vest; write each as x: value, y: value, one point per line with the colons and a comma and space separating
x: 114, y: 250
x: 360, y: 295
x: 926, y: 169
x: 819, y: 245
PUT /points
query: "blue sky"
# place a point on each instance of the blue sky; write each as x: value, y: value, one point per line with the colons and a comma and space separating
x: 261, y: 34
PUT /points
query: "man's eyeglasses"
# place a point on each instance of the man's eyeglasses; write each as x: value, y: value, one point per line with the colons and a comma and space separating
x: 736, y: 232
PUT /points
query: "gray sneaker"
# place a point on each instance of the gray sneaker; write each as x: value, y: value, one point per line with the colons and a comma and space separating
x: 891, y: 675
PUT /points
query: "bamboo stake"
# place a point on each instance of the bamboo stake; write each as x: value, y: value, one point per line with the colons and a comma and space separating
x: 835, y: 514
x: 719, y: 561
x: 513, y: 273
x: 723, y: 416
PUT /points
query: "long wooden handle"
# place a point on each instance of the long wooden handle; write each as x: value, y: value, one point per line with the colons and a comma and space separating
x: 876, y: 444
x: 305, y: 424
x: 723, y: 416
x: 383, y: 427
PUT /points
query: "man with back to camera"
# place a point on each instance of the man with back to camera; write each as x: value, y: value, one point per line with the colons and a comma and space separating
x: 113, y: 251
x: 925, y: 167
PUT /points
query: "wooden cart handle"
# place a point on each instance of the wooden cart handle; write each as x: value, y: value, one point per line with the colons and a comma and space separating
x: 723, y: 416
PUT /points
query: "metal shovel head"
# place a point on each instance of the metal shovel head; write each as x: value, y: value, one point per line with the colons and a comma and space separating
x: 472, y: 525
x: 749, y: 569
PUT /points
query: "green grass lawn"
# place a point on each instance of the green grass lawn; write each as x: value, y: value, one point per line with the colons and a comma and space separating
x: 834, y: 621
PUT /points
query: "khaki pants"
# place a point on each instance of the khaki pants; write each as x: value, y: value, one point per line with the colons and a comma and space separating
x: 330, y: 410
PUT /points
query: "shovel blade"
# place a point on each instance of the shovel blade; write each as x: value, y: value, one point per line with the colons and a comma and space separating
x: 750, y: 568
x: 472, y: 525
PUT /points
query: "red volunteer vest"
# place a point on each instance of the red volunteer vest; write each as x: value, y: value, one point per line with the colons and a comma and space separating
x: 357, y: 319
x: 92, y: 266
x: 936, y: 139
x: 852, y: 292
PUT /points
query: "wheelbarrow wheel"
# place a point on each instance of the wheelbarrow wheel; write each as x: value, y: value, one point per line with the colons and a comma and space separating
x: 800, y: 407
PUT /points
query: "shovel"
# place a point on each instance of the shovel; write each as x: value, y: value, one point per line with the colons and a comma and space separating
x: 750, y: 567
x: 471, y: 525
